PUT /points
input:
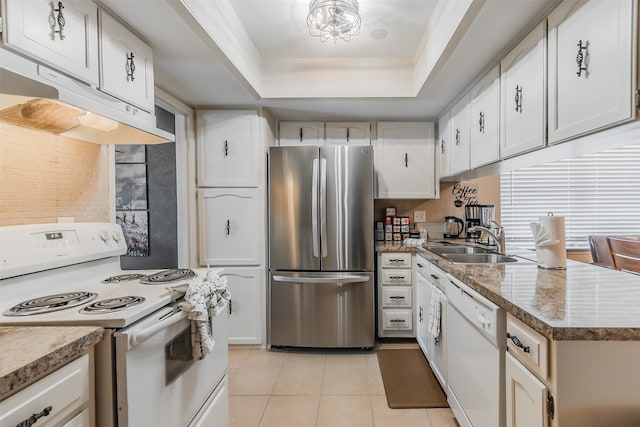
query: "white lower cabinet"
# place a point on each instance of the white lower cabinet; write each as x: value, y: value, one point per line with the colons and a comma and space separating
x: 229, y: 228
x: 525, y: 396
x: 246, y: 308
x: 395, y: 295
x: 61, y: 395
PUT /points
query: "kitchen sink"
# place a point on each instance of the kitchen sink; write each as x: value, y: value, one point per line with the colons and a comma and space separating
x: 460, y: 249
x: 478, y: 258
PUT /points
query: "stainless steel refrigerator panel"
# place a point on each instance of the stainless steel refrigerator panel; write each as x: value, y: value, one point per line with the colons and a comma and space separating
x: 322, y: 309
x: 293, y: 208
x: 346, y: 208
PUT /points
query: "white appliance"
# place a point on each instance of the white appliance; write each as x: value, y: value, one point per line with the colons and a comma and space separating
x: 144, y: 369
x: 476, y: 334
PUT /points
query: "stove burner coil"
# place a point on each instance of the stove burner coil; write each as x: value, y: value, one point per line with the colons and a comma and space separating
x: 50, y: 303
x: 123, y: 278
x: 111, y: 304
x: 168, y: 276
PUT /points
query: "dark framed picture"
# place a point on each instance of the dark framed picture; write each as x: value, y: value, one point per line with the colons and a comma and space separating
x: 131, y: 186
x: 135, y: 226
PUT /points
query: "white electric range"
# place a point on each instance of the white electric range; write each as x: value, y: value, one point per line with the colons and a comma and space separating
x: 69, y: 274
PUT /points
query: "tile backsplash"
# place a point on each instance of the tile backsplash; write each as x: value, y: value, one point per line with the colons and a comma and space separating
x: 44, y: 177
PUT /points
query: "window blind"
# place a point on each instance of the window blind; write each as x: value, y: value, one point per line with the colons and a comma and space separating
x: 596, y: 193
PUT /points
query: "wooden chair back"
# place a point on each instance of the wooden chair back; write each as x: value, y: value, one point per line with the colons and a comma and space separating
x: 600, y: 252
x: 625, y: 252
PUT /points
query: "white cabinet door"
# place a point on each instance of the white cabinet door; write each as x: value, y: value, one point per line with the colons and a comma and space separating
x: 64, y: 34
x: 590, y: 66
x: 228, y: 148
x: 523, y: 96
x: 230, y: 226
x: 485, y: 116
x: 423, y: 298
x: 126, y: 64
x: 405, y: 160
x: 348, y: 133
x: 443, y: 145
x: 245, y: 308
x: 525, y: 396
x: 301, y: 133
x: 460, y: 126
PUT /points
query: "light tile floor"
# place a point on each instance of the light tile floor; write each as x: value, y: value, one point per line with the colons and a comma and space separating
x: 310, y: 388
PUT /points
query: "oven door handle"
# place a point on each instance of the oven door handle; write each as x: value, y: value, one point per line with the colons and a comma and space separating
x: 139, y: 337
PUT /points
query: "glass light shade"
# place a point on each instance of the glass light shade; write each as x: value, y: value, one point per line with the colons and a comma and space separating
x: 334, y: 19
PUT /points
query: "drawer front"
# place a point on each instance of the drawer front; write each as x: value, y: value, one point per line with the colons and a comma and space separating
x: 422, y: 266
x: 396, y: 296
x: 399, y: 320
x: 396, y: 277
x: 65, y: 391
x: 438, y: 277
x: 395, y: 260
x: 528, y: 346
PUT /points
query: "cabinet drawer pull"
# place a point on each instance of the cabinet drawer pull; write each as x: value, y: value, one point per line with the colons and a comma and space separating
x: 519, y: 343
x: 397, y: 277
x: 481, y: 122
x: 35, y: 417
x: 228, y: 228
x: 435, y: 276
x: 396, y: 297
x: 583, y: 58
x: 396, y: 260
x: 419, y: 265
x: 53, y: 20
x: 518, y: 99
x: 226, y: 148
x: 131, y: 67
x: 397, y: 321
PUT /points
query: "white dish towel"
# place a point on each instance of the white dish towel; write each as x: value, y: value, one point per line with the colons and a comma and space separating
x: 202, y: 302
x: 435, y: 311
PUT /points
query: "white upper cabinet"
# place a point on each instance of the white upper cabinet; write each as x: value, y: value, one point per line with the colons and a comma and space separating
x: 443, y: 145
x: 228, y: 151
x: 301, y: 133
x: 522, y: 82
x: 348, y: 133
x: 590, y: 66
x: 405, y: 160
x: 63, y: 34
x: 126, y: 64
x: 460, y: 129
x: 485, y: 115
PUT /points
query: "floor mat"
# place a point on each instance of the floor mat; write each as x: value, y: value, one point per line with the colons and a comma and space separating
x: 409, y: 381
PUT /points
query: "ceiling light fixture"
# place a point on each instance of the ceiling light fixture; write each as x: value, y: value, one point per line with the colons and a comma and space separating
x: 334, y: 19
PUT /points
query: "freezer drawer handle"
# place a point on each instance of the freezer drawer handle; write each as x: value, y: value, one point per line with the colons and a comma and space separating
x: 35, y: 417
x: 330, y: 280
x: 519, y: 343
x: 145, y: 334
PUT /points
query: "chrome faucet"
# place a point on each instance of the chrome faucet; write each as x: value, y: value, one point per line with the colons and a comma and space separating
x: 498, y: 236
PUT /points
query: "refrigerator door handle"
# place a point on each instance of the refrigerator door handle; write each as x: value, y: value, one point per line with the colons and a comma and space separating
x: 329, y: 280
x: 314, y: 210
x: 323, y: 206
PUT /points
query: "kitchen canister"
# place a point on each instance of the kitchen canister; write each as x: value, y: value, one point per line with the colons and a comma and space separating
x: 549, y: 237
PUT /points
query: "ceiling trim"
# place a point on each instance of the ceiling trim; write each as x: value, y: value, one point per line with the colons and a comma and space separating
x: 294, y: 78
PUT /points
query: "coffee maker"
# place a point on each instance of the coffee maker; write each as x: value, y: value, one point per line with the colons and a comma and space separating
x: 478, y: 215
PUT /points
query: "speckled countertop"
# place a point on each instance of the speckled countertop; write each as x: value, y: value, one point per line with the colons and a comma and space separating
x: 583, y: 302
x: 28, y: 353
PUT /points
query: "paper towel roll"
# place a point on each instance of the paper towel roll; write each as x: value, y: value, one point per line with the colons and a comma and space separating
x: 552, y: 253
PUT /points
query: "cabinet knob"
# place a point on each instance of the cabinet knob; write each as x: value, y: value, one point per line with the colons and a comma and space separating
x: 518, y: 98
x: 59, y: 20
x: 131, y: 67
x: 583, y: 58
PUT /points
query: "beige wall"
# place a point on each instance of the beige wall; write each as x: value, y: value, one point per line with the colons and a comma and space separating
x: 488, y: 193
x: 44, y: 177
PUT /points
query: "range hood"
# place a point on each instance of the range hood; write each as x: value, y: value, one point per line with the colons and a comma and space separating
x: 35, y: 96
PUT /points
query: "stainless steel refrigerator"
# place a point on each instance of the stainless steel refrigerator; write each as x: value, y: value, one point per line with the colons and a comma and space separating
x: 321, y: 254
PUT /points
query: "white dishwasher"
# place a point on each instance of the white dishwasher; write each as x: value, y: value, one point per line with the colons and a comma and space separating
x: 476, y: 333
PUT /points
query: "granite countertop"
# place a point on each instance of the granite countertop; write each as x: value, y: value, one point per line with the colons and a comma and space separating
x: 31, y: 352
x: 583, y: 302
